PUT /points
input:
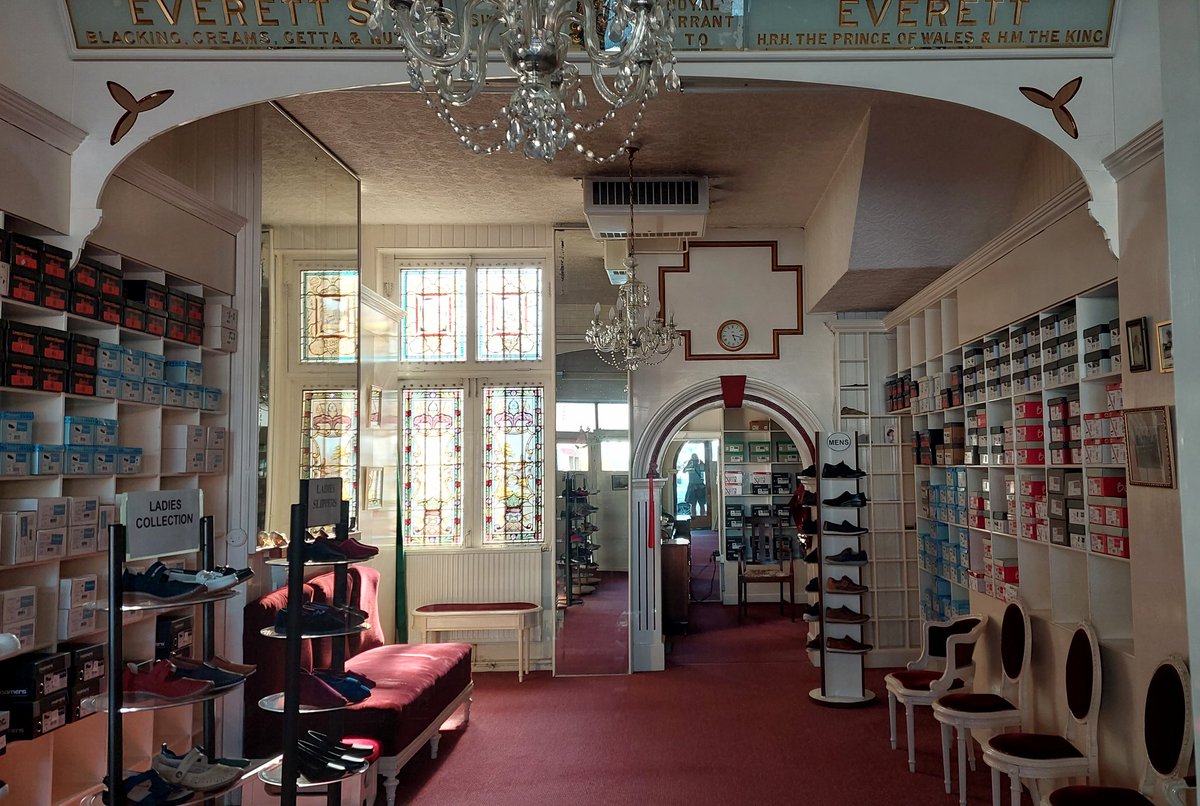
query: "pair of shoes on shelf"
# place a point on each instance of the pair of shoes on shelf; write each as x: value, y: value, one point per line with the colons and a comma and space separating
x: 216, y: 579
x: 847, y: 645
x: 850, y: 411
x: 814, y: 643
x: 194, y: 771
x: 812, y: 612
x: 324, y: 761
x: 813, y: 556
x: 148, y: 789
x: 351, y: 685
x: 240, y: 763
x: 161, y: 682
x: 155, y: 582
x: 844, y: 615
x: 809, y: 527
x: 332, y: 550
x: 192, y: 669
x: 322, y: 619
x: 813, y: 586
x: 844, y: 585
x: 848, y: 556
x: 808, y: 499
x: 847, y: 499
x: 844, y: 528
x: 841, y: 471
x: 217, y: 662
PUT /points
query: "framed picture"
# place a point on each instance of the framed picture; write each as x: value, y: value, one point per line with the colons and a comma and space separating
x: 620, y: 481
x: 1137, y: 338
x: 1150, y: 454
x: 375, y: 407
x: 1166, y: 347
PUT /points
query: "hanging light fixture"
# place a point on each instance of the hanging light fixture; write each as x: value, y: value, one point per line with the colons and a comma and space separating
x: 447, y: 62
x: 632, y: 336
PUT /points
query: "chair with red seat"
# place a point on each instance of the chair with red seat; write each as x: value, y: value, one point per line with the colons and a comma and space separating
x: 1048, y: 756
x: 1168, y: 732
x: 946, y: 662
x: 1005, y: 707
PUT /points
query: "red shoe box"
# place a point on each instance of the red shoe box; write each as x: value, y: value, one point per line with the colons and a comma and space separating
x: 53, y: 378
x: 1029, y: 408
x: 152, y: 295
x: 52, y: 346
x: 25, y: 253
x: 21, y: 373
x: 56, y: 265
x: 1118, y: 546
x: 81, y: 382
x: 24, y: 286
x: 1108, y: 483
x: 1035, y: 488
x: 86, y: 277
x: 195, y: 334
x: 176, y: 330
x: 111, y: 284
x: 84, y: 303
x: 195, y: 310
x: 156, y: 324
x: 111, y: 311
x: 177, y: 307
x: 21, y: 339
x: 56, y: 298
x: 134, y: 317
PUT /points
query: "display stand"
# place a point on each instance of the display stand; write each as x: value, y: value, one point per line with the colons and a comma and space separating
x: 286, y: 775
x: 118, y: 604
x: 841, y: 671
x: 579, y: 566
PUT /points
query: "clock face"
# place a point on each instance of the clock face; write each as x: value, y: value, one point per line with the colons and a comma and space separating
x: 732, y: 335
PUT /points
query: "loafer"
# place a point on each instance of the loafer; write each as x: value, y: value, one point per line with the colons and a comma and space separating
x: 354, y: 550
x: 347, y: 685
x: 149, y: 789
x: 154, y: 583
x: 848, y: 556
x: 813, y: 586
x: 160, y: 682
x: 808, y: 499
x: 844, y: 528
x: 322, y: 551
x: 194, y: 771
x: 844, y: 615
x: 846, y: 499
x: 847, y: 645
x: 239, y: 763
x: 844, y: 585
x: 809, y: 472
x: 841, y: 471
x: 809, y: 527
x: 814, y: 643
x: 812, y: 612
x: 318, y: 738
x: 316, y: 693
x: 812, y: 557
x: 219, y: 678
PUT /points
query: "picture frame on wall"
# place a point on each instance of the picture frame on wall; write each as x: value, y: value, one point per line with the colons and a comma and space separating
x: 1150, y: 453
x: 1137, y: 338
x: 1166, y: 346
x: 620, y: 481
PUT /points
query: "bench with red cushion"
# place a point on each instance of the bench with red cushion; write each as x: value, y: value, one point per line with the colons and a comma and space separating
x: 417, y: 686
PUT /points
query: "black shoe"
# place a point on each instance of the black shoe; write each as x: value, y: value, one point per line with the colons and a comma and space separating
x: 847, y: 499
x: 812, y: 612
x: 848, y: 556
x: 841, y: 471
x: 809, y: 472
x: 815, y: 643
x: 809, y: 499
x: 844, y: 528
x: 813, y: 586
x: 809, y: 527
x: 811, y: 557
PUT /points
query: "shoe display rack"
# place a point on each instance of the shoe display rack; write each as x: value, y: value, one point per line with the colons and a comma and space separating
x: 288, y: 776
x: 577, y: 565
x: 841, y: 513
x: 759, y: 469
x: 866, y: 356
x: 121, y: 605
x: 1019, y: 459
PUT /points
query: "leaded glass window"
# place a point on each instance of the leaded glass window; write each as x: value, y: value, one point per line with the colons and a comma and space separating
x: 509, y: 313
x: 329, y: 315
x: 329, y: 438
x: 435, y: 301
x: 433, y: 467
x: 512, y: 464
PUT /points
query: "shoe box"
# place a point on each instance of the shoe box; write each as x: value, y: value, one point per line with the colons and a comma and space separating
x: 33, y: 689
x: 88, y: 677
x: 173, y: 635
x: 4, y: 723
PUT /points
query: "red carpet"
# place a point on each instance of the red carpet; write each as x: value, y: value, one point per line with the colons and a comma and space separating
x: 706, y: 581
x: 594, y: 638
x: 715, y: 728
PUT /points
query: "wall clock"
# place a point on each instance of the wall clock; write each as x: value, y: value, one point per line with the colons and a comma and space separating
x: 732, y: 335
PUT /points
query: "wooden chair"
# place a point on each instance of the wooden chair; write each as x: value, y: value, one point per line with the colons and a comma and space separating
x: 1167, y: 726
x: 994, y: 711
x: 946, y: 662
x: 764, y: 535
x: 1040, y: 756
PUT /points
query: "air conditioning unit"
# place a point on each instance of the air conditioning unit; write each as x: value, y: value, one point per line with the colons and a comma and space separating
x: 616, y: 251
x: 663, y: 207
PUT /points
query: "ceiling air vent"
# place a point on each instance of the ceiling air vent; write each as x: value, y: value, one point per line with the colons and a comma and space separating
x: 663, y: 207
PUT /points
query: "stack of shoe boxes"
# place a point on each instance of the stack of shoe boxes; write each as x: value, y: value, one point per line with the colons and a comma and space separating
x: 87, y: 680
x: 1064, y: 501
x: 1104, y: 432
x: 37, y: 272
x: 735, y: 453
x: 41, y: 529
x: 734, y: 482
x: 221, y: 328
x: 1035, y: 512
x: 925, y: 445
x: 76, y: 606
x: 760, y: 483
x: 900, y: 393
x: 173, y: 635
x: 1114, y: 340
x: 1097, y: 354
x: 33, y: 689
x: 1108, y: 512
x: 18, y: 613
x: 974, y: 384
x: 16, y: 443
x: 1066, y: 432
x: 1028, y: 434
x: 201, y: 449
x: 760, y: 451
x: 786, y: 451
x: 952, y: 450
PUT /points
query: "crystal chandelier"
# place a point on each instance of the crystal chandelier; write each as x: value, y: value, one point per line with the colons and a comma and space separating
x: 632, y: 336
x: 447, y: 62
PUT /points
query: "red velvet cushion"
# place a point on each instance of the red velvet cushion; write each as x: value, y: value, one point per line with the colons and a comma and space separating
x: 413, y: 684
x: 919, y: 680
x: 1098, y: 796
x: 472, y: 607
x: 975, y: 703
x: 1040, y: 746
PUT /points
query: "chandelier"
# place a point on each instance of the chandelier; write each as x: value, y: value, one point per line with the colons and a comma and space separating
x: 632, y: 336
x: 447, y: 62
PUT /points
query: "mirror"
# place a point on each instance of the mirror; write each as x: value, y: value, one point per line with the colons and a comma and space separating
x: 592, y: 455
x: 308, y: 381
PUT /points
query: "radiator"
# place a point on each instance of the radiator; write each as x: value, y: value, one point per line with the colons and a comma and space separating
x: 510, y: 575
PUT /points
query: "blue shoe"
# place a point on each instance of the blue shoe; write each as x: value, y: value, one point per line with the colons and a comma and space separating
x: 346, y: 685
x: 155, y: 583
x: 149, y: 789
x: 186, y: 667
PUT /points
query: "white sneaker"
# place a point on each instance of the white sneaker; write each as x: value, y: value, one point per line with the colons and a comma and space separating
x: 212, y: 580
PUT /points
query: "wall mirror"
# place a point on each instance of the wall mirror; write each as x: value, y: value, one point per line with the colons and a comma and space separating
x: 591, y: 458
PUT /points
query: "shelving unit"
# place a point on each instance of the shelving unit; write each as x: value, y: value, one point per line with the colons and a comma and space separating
x: 759, y: 470
x: 62, y: 766
x: 866, y: 356
x: 1014, y: 436
x: 577, y: 567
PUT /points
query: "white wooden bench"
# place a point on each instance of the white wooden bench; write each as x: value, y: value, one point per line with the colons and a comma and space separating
x: 520, y: 617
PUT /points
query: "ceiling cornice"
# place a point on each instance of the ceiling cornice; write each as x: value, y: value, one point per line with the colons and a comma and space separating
x: 1057, y: 208
x: 158, y: 184
x: 856, y: 326
x: 1136, y: 153
x: 27, y: 116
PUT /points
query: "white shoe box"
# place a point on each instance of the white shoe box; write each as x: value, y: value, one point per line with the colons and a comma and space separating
x: 24, y: 630
x: 83, y: 510
x: 218, y: 315
x: 214, y: 461
x: 217, y: 437
x: 77, y: 591
x: 50, y: 544
x: 17, y: 537
x: 76, y: 622
x: 17, y: 605
x: 184, y: 438
x: 82, y: 540
x: 52, y: 513
x: 221, y: 338
x: 183, y: 461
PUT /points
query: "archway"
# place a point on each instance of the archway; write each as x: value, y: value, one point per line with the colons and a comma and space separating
x: 798, y: 420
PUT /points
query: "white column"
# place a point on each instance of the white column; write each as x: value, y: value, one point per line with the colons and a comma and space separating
x: 645, y: 578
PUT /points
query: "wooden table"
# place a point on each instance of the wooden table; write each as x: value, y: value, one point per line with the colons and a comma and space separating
x: 520, y: 617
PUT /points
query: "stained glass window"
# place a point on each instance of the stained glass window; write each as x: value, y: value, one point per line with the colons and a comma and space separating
x: 329, y: 438
x: 433, y: 467
x: 329, y: 315
x: 509, y: 313
x: 434, y: 300
x: 512, y: 464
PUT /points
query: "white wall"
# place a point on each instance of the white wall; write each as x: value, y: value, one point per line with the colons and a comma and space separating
x: 830, y: 229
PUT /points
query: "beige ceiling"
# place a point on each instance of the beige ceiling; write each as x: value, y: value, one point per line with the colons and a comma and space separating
x: 938, y: 181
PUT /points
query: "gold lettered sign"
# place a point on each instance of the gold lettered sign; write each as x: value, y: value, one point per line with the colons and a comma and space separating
x: 701, y: 25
